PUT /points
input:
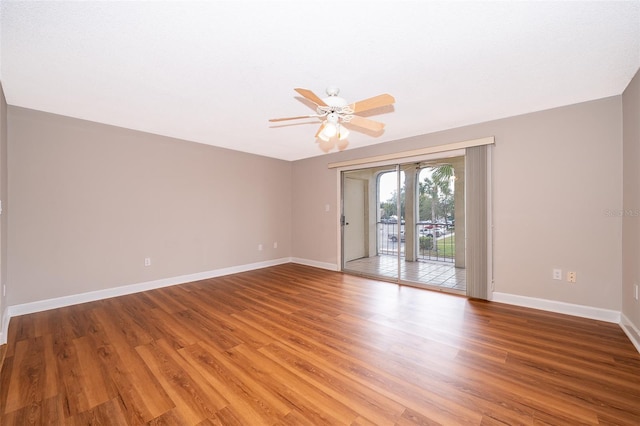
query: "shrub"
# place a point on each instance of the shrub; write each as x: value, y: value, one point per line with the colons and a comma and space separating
x: 426, y: 243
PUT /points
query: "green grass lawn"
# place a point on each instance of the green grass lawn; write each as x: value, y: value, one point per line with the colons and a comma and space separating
x: 446, y: 247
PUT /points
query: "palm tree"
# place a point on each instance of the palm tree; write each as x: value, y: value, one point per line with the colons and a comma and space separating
x: 442, y: 176
x: 439, y: 183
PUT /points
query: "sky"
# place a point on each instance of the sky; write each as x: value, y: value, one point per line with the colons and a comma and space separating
x: 388, y: 185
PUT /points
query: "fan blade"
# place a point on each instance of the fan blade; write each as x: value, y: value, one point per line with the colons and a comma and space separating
x: 365, y: 123
x: 308, y: 94
x: 371, y: 103
x: 293, y: 118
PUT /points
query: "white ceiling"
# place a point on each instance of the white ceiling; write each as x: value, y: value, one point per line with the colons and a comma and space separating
x: 215, y: 72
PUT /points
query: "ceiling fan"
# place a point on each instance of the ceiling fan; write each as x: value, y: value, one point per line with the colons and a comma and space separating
x: 334, y: 111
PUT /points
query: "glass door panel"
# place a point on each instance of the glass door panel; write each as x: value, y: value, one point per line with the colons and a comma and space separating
x: 371, y: 235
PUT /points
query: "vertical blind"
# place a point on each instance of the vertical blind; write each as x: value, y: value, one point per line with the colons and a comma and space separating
x: 477, y: 173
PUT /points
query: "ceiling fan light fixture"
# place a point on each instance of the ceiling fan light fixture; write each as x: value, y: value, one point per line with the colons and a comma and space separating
x: 329, y: 131
x: 321, y: 136
x: 343, y: 132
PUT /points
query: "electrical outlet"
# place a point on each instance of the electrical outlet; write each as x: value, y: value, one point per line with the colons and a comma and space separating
x: 636, y: 292
x: 147, y: 261
x: 259, y: 247
x: 557, y: 274
x: 275, y: 244
x: 571, y: 277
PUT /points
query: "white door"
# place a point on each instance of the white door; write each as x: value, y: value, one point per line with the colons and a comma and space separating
x: 354, y: 218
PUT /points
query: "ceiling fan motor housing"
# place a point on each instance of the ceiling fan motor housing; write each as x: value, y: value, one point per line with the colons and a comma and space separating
x: 332, y: 117
x: 336, y: 107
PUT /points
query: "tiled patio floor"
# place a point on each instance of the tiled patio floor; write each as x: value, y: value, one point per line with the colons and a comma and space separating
x: 438, y: 274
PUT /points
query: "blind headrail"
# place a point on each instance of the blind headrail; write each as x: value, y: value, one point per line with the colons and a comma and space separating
x: 489, y: 140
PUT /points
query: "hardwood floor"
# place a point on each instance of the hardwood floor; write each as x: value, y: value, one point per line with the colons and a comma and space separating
x: 294, y: 345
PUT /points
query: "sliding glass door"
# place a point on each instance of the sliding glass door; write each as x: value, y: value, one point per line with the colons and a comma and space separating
x: 406, y: 223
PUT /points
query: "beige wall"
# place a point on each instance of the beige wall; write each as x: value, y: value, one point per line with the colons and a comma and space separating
x: 314, y: 229
x: 556, y: 173
x: 91, y: 201
x: 631, y: 194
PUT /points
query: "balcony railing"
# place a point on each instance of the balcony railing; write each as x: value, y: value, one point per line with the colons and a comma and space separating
x: 434, y: 241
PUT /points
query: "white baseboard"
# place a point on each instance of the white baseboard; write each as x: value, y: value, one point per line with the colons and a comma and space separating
x: 316, y: 264
x: 590, y: 312
x: 59, y: 302
x: 631, y: 331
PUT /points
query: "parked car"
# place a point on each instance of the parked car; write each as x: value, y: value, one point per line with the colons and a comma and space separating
x: 423, y: 233
x: 394, y: 237
x: 429, y: 232
x: 427, y: 229
x: 394, y: 219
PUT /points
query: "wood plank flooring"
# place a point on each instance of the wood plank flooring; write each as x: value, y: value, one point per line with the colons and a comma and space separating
x: 294, y: 345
